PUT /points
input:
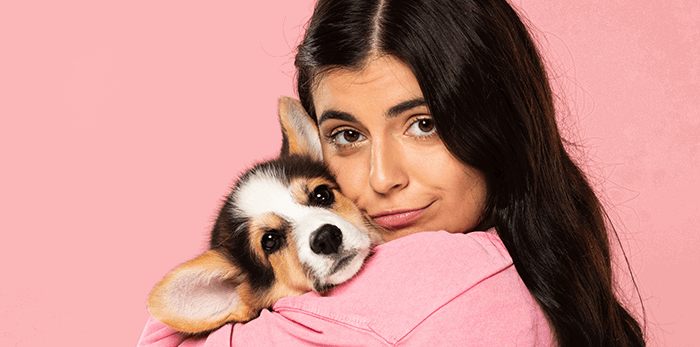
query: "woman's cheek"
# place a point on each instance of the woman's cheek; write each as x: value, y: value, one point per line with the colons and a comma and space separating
x: 347, y: 173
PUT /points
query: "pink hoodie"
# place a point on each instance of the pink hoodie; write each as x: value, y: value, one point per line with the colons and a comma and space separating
x: 425, y: 289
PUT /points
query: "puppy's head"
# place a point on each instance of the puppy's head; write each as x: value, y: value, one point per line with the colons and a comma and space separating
x: 293, y: 227
x: 284, y: 230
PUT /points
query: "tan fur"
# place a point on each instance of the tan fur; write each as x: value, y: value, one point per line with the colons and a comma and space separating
x: 285, y: 262
x: 300, y: 191
x: 259, y: 226
x: 289, y: 273
x: 290, y: 280
x: 298, y: 143
x: 345, y: 208
x: 301, y: 187
x: 207, y: 265
x: 254, y: 302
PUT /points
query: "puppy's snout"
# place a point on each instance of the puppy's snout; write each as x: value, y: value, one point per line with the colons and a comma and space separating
x: 326, y: 240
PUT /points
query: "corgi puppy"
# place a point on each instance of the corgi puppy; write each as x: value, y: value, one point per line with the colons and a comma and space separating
x: 284, y: 230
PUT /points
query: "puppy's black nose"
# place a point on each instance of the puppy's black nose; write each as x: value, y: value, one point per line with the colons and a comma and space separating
x: 326, y: 240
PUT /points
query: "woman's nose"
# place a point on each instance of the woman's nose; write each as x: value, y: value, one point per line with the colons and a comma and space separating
x: 387, y: 172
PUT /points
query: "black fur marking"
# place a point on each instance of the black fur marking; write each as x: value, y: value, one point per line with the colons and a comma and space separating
x: 287, y: 168
x: 284, y: 152
x: 231, y: 236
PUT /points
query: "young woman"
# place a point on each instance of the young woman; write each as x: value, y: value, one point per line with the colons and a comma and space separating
x: 438, y: 115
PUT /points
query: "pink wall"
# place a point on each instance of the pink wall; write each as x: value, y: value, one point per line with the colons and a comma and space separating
x: 123, y: 124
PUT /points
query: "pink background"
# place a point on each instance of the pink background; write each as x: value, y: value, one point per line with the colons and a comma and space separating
x: 124, y: 123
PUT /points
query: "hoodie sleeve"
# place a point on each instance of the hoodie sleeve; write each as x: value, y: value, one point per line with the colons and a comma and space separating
x: 157, y: 334
x: 269, y: 329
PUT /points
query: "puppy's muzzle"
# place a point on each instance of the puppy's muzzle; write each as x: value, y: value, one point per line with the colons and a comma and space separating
x: 326, y: 239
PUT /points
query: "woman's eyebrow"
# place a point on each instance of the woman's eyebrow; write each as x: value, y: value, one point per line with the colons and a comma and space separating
x: 391, y: 113
x: 333, y: 114
x: 405, y: 106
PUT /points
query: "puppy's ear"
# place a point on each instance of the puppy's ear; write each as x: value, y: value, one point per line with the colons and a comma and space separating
x: 200, y: 295
x: 299, y: 133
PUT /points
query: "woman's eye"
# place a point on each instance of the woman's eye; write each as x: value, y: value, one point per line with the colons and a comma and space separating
x: 422, y: 127
x: 347, y: 137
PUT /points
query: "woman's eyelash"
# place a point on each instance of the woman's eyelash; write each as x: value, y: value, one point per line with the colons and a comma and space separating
x: 426, y: 125
x: 345, y: 137
x: 420, y: 127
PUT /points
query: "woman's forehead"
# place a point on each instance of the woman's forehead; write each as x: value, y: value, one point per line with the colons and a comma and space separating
x: 383, y: 82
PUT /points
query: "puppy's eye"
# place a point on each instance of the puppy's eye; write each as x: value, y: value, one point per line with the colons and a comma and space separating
x: 271, y: 242
x: 321, y: 196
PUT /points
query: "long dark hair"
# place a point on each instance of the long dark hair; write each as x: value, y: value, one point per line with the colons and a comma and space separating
x: 488, y: 92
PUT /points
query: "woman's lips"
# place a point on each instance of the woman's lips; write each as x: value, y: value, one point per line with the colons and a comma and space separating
x: 396, y: 219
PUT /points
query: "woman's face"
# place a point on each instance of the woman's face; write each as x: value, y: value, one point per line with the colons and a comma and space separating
x: 378, y: 137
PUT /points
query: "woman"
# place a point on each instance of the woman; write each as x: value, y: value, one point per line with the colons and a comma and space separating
x: 437, y: 115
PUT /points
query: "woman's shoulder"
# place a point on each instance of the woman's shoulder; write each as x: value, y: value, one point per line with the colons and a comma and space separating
x: 418, y: 280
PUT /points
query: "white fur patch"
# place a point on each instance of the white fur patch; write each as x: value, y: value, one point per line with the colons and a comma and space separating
x: 354, y: 241
x: 264, y: 193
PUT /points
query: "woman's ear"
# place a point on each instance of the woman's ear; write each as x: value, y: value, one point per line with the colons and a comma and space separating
x: 200, y: 295
x: 299, y: 133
